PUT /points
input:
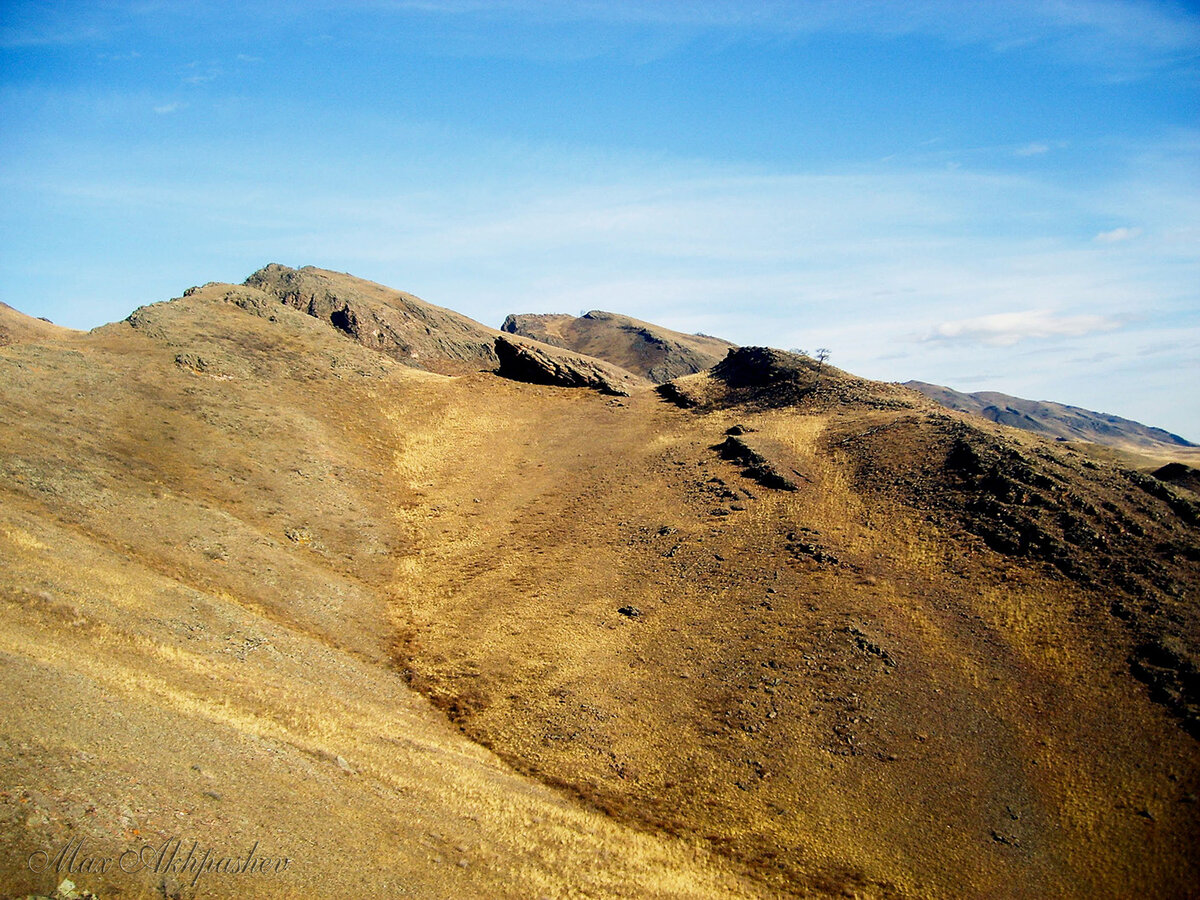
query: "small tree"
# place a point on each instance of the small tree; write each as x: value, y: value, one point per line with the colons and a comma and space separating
x: 822, y: 355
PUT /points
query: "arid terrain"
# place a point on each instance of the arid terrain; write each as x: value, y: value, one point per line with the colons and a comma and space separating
x: 435, y: 610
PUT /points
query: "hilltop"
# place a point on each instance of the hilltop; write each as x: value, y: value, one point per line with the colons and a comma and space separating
x: 769, y: 629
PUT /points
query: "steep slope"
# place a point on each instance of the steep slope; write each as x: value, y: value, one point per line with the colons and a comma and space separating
x: 206, y: 516
x: 1053, y: 420
x: 651, y: 351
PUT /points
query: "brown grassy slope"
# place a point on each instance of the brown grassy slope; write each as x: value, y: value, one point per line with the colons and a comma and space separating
x: 16, y: 327
x: 205, y: 524
x: 651, y: 351
x: 845, y: 687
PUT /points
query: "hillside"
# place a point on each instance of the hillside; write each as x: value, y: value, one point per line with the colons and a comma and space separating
x: 755, y: 633
x: 1054, y: 420
x: 16, y: 327
x: 656, y: 353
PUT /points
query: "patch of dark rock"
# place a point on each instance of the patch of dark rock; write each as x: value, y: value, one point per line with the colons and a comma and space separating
x: 757, y: 466
x: 343, y: 320
x: 673, y: 394
x: 1171, y: 673
x: 630, y: 612
x: 815, y: 552
x: 866, y: 645
x: 192, y: 362
x: 1187, y: 510
x: 1179, y: 475
x: 523, y: 362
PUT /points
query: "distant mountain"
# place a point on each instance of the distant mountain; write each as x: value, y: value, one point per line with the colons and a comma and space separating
x: 651, y: 351
x: 1053, y: 420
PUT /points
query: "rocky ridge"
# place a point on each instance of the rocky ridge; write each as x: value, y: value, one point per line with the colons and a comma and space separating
x: 651, y: 351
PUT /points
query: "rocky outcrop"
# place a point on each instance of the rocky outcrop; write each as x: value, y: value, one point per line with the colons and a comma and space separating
x: 544, y: 327
x: 404, y: 327
x: 758, y: 465
x: 1179, y: 475
x: 1118, y: 532
x: 542, y: 364
x: 766, y: 378
x: 651, y: 351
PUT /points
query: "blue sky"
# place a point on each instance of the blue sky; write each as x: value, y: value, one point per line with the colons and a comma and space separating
x: 994, y: 196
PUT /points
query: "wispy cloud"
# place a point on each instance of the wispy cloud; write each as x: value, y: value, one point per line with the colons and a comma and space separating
x: 1009, y: 328
x: 1117, y: 235
x: 1036, y: 149
x: 168, y: 108
x: 1109, y: 34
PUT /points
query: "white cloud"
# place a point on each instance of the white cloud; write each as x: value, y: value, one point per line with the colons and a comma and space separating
x: 167, y: 108
x: 1009, y: 328
x: 1117, y: 235
x: 1034, y: 149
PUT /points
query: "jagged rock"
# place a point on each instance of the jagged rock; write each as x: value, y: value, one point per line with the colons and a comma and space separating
x: 758, y: 467
x: 545, y: 365
x: 400, y: 325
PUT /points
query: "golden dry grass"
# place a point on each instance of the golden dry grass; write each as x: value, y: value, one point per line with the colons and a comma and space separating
x: 233, y: 545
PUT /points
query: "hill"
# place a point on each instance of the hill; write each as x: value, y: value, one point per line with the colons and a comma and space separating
x: 1054, y: 420
x: 651, y: 351
x: 765, y: 631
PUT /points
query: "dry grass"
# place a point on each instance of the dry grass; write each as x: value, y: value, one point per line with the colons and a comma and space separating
x: 227, y: 580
